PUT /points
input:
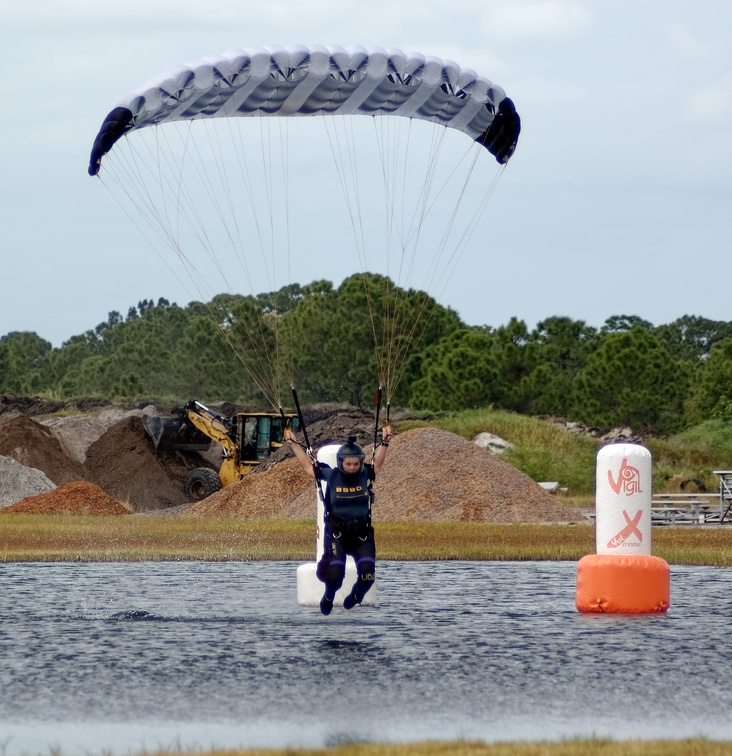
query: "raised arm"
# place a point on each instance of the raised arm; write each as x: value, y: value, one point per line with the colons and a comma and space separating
x: 300, y: 454
x: 386, y: 435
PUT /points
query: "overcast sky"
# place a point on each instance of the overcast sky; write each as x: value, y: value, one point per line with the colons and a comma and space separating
x: 618, y: 200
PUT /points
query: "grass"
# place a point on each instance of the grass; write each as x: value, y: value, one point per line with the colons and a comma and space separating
x: 593, y: 747
x: 68, y: 538
x: 36, y: 537
x: 693, y: 454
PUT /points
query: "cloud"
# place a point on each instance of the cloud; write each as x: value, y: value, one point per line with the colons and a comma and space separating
x: 532, y: 19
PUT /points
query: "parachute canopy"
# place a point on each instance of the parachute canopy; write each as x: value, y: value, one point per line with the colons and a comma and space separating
x: 316, y: 80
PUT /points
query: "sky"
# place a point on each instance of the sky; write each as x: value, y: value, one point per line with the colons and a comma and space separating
x: 617, y: 201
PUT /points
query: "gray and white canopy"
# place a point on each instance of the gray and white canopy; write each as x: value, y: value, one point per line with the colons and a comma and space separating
x: 316, y: 80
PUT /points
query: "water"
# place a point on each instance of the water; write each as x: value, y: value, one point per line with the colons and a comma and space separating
x: 126, y: 657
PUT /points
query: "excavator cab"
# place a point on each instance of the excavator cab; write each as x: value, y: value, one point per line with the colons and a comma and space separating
x: 259, y: 435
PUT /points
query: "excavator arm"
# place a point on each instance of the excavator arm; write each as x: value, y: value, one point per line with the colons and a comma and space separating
x: 212, y: 425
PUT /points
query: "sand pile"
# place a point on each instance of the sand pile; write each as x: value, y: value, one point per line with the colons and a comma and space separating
x: 78, y: 498
x: 34, y: 445
x: 260, y: 494
x: 77, y: 433
x: 429, y: 475
x: 124, y: 463
x: 18, y: 481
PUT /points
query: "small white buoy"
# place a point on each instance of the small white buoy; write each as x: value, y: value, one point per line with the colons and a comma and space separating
x: 623, y: 500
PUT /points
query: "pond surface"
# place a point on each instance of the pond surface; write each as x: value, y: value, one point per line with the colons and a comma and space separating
x: 124, y: 657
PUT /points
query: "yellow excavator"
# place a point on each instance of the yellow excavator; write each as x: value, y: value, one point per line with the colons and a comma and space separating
x: 246, y: 439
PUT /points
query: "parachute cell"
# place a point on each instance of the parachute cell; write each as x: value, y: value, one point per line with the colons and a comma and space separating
x: 310, y: 81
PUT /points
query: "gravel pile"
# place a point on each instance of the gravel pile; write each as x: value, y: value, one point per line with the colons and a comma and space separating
x: 262, y: 494
x: 78, y: 498
x: 429, y: 475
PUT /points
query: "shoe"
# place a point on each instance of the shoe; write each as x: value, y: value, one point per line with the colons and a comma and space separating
x: 326, y: 605
x: 350, y: 601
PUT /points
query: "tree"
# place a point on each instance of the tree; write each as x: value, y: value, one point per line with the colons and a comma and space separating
x: 460, y: 372
x: 692, y: 337
x: 210, y: 370
x: 23, y: 355
x: 304, y: 333
x: 714, y: 381
x: 631, y: 380
x: 624, y: 323
x: 562, y: 347
x: 515, y: 355
x: 348, y: 342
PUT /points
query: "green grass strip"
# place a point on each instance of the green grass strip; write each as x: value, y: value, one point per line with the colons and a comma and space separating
x: 26, y: 537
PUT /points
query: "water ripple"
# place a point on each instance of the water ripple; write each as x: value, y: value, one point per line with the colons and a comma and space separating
x: 122, y: 657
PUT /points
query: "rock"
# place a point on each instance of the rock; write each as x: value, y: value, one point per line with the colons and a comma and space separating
x: 491, y: 443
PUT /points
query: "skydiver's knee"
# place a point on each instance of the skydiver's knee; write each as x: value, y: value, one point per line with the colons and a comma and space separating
x: 331, y: 571
x: 366, y: 571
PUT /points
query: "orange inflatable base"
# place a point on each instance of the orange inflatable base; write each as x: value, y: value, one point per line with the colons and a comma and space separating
x: 623, y: 584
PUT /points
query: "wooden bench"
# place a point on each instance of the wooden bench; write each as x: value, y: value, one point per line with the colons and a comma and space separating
x: 684, y: 508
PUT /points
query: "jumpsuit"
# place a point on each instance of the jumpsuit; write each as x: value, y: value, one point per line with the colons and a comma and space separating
x: 348, y: 531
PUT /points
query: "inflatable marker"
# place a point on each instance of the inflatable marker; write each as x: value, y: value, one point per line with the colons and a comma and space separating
x: 623, y: 577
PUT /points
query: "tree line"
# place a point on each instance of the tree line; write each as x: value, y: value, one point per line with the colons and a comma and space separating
x: 628, y: 372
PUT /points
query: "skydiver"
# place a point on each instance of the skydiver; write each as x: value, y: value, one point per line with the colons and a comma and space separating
x: 348, y: 530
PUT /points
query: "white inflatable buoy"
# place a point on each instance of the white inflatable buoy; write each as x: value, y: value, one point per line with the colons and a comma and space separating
x: 623, y: 577
x: 309, y: 588
x: 623, y: 500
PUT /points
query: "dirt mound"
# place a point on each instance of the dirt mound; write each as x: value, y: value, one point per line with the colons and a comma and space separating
x: 34, y: 445
x: 78, y: 432
x: 18, y: 481
x: 78, y: 498
x: 435, y: 475
x: 124, y: 463
x: 258, y: 495
x: 12, y: 405
x: 429, y: 475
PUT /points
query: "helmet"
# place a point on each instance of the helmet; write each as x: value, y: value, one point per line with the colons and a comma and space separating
x: 351, y: 449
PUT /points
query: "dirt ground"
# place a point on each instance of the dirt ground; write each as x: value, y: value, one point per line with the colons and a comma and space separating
x: 101, y: 460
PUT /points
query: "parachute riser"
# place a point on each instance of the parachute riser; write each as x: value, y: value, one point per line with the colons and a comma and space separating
x: 377, y: 401
x: 301, y: 419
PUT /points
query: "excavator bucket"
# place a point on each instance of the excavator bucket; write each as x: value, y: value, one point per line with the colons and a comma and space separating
x: 175, y: 433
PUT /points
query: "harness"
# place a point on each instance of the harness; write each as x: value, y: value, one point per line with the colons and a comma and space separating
x: 348, y: 501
